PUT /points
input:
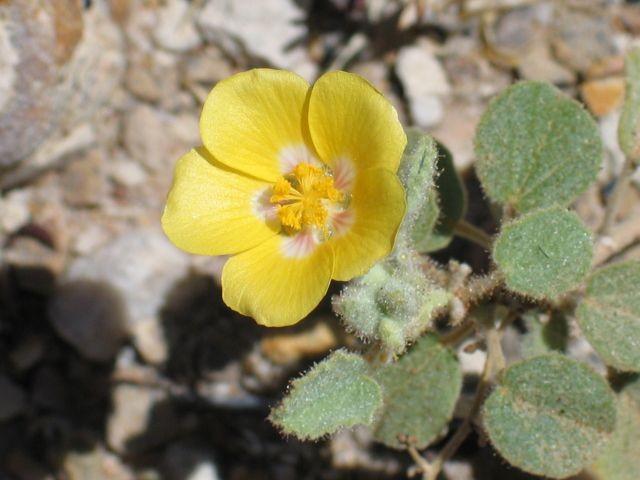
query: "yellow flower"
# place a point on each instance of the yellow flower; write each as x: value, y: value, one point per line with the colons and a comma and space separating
x: 297, y: 183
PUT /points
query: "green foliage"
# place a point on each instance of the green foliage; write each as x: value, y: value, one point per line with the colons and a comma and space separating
x: 446, y: 206
x: 393, y: 303
x: 550, y: 415
x: 336, y: 393
x: 416, y: 172
x: 544, y: 253
x: 620, y: 459
x: 544, y: 337
x: 536, y: 147
x: 609, y: 315
x: 629, y: 127
x: 420, y: 391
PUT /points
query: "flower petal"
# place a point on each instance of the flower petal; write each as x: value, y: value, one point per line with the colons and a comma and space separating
x: 349, y: 118
x: 274, y: 288
x: 212, y: 210
x: 251, y: 118
x: 377, y: 205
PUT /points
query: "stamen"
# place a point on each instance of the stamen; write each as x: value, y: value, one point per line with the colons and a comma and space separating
x: 303, y: 198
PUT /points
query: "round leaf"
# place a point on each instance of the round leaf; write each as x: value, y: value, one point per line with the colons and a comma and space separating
x: 550, y: 415
x: 620, y: 459
x: 609, y: 315
x: 544, y: 253
x: 536, y: 147
x: 336, y: 393
x: 419, y: 393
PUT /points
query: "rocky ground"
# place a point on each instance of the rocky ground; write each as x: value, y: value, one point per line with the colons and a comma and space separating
x: 118, y: 359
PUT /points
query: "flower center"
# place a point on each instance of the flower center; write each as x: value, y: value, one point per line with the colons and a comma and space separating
x: 304, y: 197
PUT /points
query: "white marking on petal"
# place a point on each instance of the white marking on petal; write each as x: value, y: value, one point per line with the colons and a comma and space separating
x: 341, y: 222
x: 293, y: 155
x: 300, y: 245
x: 344, y: 174
x: 264, y: 209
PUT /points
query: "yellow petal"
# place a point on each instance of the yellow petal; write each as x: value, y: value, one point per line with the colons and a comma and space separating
x: 275, y: 289
x: 349, y: 118
x: 378, y: 205
x: 212, y: 210
x: 252, y: 119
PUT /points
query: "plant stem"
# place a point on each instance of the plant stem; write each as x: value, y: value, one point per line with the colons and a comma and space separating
x: 617, y: 196
x: 493, y: 364
x: 474, y: 234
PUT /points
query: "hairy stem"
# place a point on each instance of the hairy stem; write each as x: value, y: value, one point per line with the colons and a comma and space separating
x: 474, y: 234
x: 494, y: 363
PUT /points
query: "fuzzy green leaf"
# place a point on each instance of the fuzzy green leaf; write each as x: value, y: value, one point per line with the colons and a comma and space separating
x: 336, y: 393
x: 620, y: 459
x: 544, y: 253
x: 416, y: 172
x: 446, y: 206
x: 550, y: 415
x: 420, y: 391
x: 544, y: 337
x: 629, y: 126
x: 536, y: 147
x: 609, y: 315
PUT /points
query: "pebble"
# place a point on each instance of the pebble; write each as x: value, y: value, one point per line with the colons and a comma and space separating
x: 186, y: 461
x: 96, y: 464
x: 176, y: 30
x: 14, y: 210
x: 141, y: 418
x: 425, y: 83
x: 105, y: 294
x: 604, y: 95
x: 267, y: 32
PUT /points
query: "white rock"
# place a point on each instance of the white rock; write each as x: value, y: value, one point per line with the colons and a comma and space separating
x: 176, y: 29
x: 425, y: 83
x: 14, y: 210
x: 126, y: 172
x: 189, y: 462
x: 107, y: 293
x: 136, y: 423
x: 266, y: 29
x: 157, y: 139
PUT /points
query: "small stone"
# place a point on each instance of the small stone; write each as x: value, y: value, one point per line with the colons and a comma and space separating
x: 176, y: 30
x: 14, y: 210
x: 96, y: 464
x: 582, y: 38
x: 604, y: 95
x: 157, y: 139
x: 27, y: 353
x: 290, y: 348
x: 141, y: 419
x: 185, y: 461
x: 83, y: 183
x: 150, y: 341
x: 267, y: 30
x: 91, y: 316
x: 153, y: 76
x: 126, y: 172
x: 36, y: 265
x: 121, y: 284
x: 12, y: 399
x: 425, y: 83
x: 539, y: 64
x: 457, y: 130
x: 208, y: 66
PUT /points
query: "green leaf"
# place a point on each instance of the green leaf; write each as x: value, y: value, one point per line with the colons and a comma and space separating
x: 416, y: 172
x: 620, y: 459
x: 544, y: 337
x: 550, y: 415
x: 609, y: 315
x: 336, y: 393
x: 420, y: 391
x: 536, y: 147
x: 629, y: 126
x: 544, y: 253
x: 446, y: 206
